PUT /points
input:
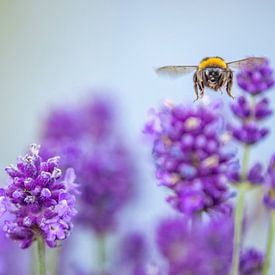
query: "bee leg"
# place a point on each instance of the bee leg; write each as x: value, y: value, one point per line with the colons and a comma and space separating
x: 201, y: 88
x: 196, y: 87
x: 229, y: 85
x: 200, y: 80
x: 196, y: 92
x: 202, y: 93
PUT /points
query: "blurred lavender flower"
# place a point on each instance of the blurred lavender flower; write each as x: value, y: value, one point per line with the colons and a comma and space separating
x: 93, y: 146
x: 38, y: 200
x: 254, y: 80
x: 191, y: 157
x: 255, y: 175
x: 196, y: 248
x: 269, y: 198
x: 173, y: 239
x: 63, y: 124
x: 133, y: 256
x: 251, y: 262
x: 106, y: 185
x: 134, y: 248
x: 93, y: 119
x: 99, y: 119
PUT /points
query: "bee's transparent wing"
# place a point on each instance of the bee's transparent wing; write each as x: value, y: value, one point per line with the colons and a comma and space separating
x: 247, y: 62
x: 175, y: 71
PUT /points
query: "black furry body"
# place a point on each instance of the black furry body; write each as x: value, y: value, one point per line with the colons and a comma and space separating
x: 214, y: 78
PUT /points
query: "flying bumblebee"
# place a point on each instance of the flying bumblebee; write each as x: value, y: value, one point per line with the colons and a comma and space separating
x: 212, y: 72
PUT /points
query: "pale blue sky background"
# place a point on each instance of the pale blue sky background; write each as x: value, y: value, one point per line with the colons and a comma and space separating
x: 55, y: 51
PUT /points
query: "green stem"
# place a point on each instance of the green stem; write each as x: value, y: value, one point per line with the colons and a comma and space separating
x: 33, y: 260
x: 269, y: 245
x: 101, y: 253
x: 55, y: 255
x: 41, y: 256
x: 245, y: 162
x: 239, y: 213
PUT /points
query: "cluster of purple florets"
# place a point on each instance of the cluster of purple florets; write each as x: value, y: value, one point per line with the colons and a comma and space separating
x: 251, y: 262
x: 250, y: 116
x: 133, y: 255
x: 197, y: 248
x: 38, y: 201
x: 255, y: 175
x: 203, y: 248
x: 251, y: 109
x: 256, y: 77
x: 192, y: 157
x: 107, y: 184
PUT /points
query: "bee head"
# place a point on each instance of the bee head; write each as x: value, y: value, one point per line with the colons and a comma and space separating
x: 213, y: 75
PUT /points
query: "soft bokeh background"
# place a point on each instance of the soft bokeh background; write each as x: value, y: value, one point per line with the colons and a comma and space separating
x: 54, y: 52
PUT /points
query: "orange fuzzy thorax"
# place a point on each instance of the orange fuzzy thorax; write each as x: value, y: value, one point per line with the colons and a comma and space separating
x: 212, y: 61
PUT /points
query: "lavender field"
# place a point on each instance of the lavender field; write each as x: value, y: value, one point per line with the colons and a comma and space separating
x: 107, y: 168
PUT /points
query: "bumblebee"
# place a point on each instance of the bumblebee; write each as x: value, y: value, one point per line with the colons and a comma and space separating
x: 212, y: 72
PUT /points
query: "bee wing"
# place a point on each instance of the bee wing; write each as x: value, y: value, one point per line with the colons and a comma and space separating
x: 247, y: 62
x: 175, y: 71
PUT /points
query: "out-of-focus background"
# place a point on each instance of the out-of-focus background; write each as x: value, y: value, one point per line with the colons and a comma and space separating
x: 56, y: 52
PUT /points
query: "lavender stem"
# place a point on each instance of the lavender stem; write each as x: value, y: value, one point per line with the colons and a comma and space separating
x: 239, y: 213
x: 269, y: 244
x: 101, y: 253
x: 41, y: 255
x: 55, y: 257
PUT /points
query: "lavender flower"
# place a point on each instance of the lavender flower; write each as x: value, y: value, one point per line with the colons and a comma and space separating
x: 254, y: 80
x: 73, y: 131
x: 173, y: 239
x: 269, y: 198
x: 133, y: 256
x: 250, y: 110
x: 38, y: 200
x: 93, y: 119
x: 93, y: 146
x: 191, y: 157
x: 134, y: 248
x: 63, y: 124
x: 249, y: 133
x: 196, y: 248
x: 106, y: 185
x: 251, y: 262
x: 99, y: 118
x: 255, y: 175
